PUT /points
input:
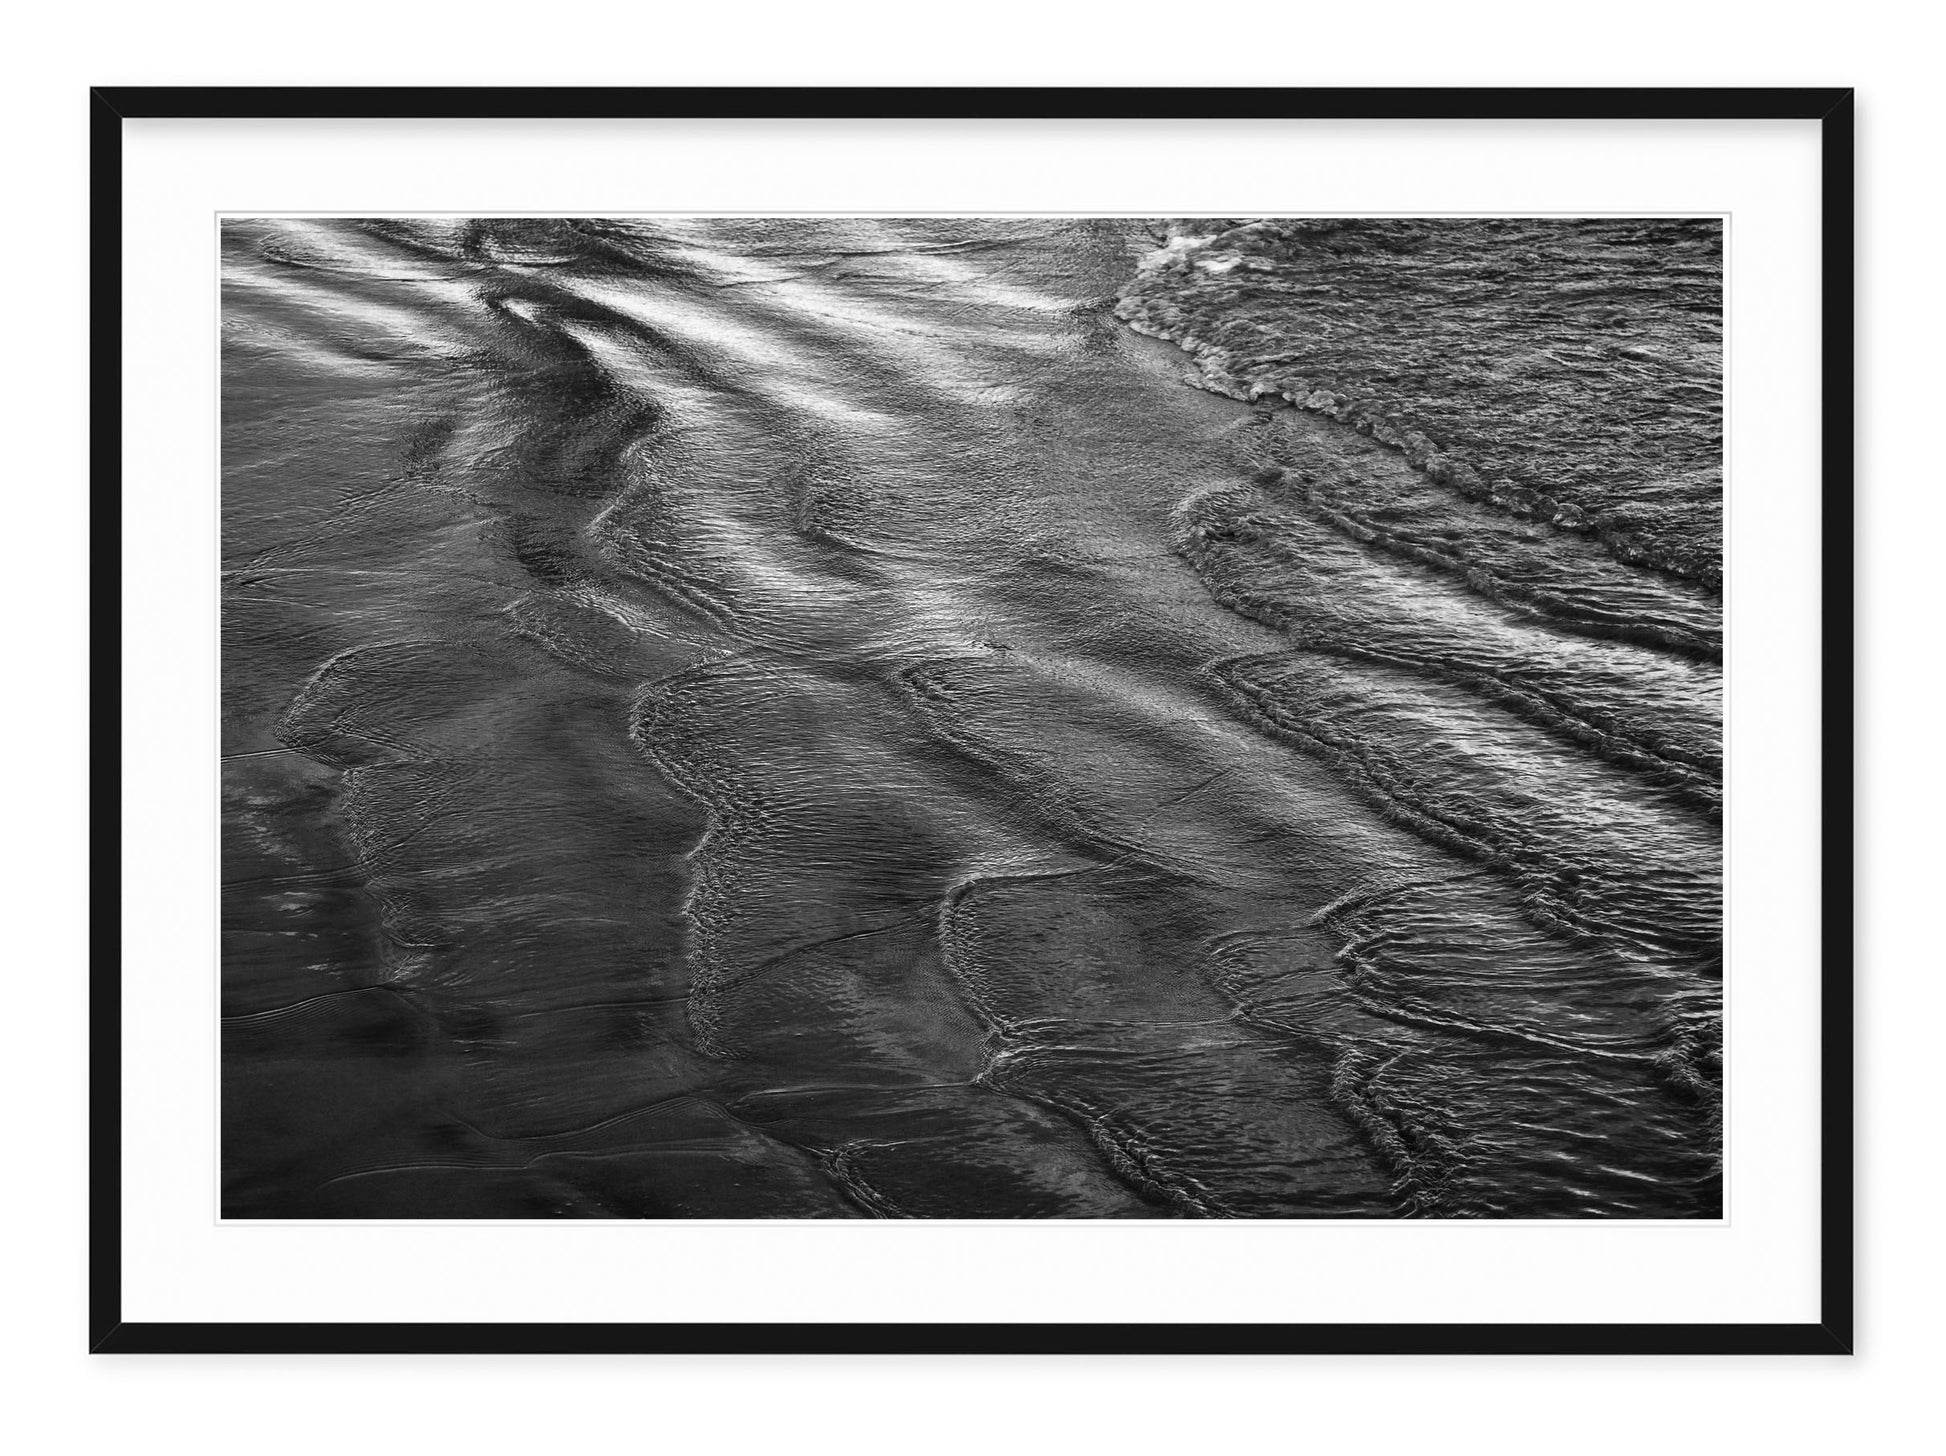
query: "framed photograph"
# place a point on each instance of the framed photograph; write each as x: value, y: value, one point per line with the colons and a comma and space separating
x: 1042, y: 721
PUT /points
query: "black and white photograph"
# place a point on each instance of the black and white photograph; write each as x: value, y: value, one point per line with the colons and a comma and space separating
x: 735, y: 717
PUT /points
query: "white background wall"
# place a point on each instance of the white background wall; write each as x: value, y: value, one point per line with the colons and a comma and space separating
x: 66, y: 1402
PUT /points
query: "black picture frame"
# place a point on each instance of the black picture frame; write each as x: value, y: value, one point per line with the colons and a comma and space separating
x: 1831, y: 108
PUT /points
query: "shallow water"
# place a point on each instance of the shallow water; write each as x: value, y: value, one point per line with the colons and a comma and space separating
x: 818, y: 718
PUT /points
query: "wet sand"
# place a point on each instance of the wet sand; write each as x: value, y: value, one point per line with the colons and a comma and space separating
x: 736, y: 719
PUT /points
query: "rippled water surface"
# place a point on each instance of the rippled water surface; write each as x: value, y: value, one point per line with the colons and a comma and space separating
x: 758, y: 718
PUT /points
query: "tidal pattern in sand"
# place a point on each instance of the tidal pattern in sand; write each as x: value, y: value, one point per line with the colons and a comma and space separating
x: 1007, y: 718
